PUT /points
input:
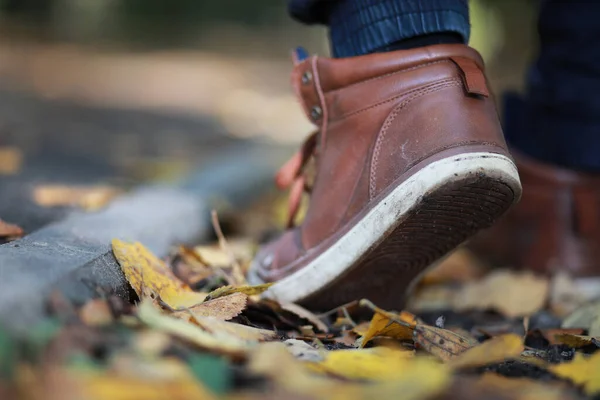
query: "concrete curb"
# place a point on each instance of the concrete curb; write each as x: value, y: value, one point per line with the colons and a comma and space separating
x: 74, y: 255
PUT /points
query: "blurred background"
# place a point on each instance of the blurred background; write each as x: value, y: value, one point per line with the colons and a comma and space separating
x: 123, y: 91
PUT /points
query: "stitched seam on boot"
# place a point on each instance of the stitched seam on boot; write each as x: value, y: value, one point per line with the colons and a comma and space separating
x: 387, y: 75
x: 391, y: 99
x: 392, y: 117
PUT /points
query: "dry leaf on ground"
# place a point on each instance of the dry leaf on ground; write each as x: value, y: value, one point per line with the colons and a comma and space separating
x: 304, y: 313
x: 150, y: 277
x: 583, y: 317
x: 576, y: 341
x: 510, y: 293
x: 90, y: 198
x: 11, y: 160
x: 381, y: 325
x: 583, y: 371
x: 495, y: 350
x: 223, y: 308
x: 565, y: 297
x: 376, y: 364
x: 247, y: 290
x: 247, y: 333
x: 225, y: 344
x: 8, y: 230
x: 551, y: 334
x: 442, y: 343
x: 304, y: 351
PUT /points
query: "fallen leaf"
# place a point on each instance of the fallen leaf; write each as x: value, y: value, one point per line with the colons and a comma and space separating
x: 551, y: 334
x: 495, y: 350
x: 153, y: 380
x: 247, y: 290
x: 244, y: 332
x: 304, y: 313
x: 583, y: 371
x: 223, y: 343
x: 10, y: 230
x: 576, y: 341
x: 303, y: 351
x: 583, y: 317
x: 565, y: 297
x: 594, y: 329
x: 150, y: 277
x: 96, y: 313
x: 89, y: 198
x: 11, y: 160
x: 417, y: 379
x: 510, y: 293
x: 382, y: 325
x: 222, y: 308
x: 442, y: 343
x: 376, y: 364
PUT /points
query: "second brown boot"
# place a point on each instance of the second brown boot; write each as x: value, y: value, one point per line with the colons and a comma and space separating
x: 410, y: 162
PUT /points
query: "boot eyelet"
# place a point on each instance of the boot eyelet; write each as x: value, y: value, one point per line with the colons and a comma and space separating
x: 306, y: 77
x: 316, y: 113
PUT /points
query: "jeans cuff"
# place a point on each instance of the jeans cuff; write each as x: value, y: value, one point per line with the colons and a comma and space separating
x: 363, y: 26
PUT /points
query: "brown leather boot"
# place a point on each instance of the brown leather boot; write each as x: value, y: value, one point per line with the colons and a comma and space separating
x: 410, y: 162
x: 555, y: 227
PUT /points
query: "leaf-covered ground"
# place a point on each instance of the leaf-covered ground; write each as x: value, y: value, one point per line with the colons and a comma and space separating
x: 198, y: 331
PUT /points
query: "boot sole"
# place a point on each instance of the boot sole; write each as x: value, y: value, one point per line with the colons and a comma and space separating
x: 421, y: 220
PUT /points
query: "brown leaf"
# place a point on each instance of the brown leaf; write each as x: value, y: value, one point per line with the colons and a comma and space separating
x: 96, y: 313
x: 304, y: 313
x: 550, y: 334
x: 8, y: 230
x: 510, y: 293
x: 223, y: 308
x: 575, y: 341
x: 248, y: 290
x: 231, y: 329
x: 495, y: 350
x: 441, y: 343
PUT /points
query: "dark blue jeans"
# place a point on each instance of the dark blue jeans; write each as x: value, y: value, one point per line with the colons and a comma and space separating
x: 558, y: 119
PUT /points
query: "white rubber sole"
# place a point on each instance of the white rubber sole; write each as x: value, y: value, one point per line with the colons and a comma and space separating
x: 384, y: 217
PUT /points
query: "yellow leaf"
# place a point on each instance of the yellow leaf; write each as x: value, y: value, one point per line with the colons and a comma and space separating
x: 416, y: 379
x: 381, y: 325
x: 223, y: 308
x: 495, y: 350
x: 441, y: 343
x: 247, y: 290
x: 161, y: 379
x: 226, y: 344
x: 575, y: 341
x: 376, y: 364
x: 150, y: 277
x: 583, y: 371
x: 510, y: 293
